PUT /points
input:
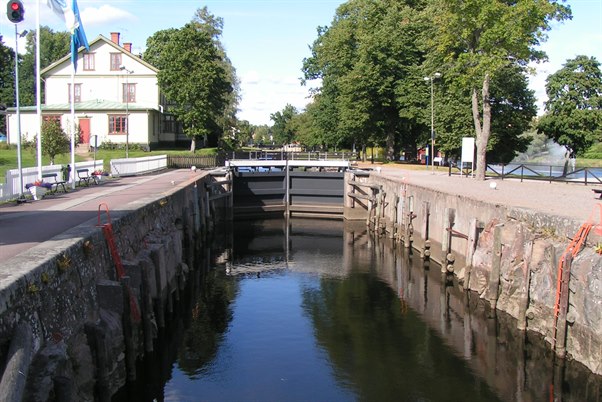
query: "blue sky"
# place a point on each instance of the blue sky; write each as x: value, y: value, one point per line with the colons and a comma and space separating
x: 268, y: 39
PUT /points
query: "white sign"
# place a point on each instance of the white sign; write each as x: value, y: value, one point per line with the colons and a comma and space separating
x: 467, y: 150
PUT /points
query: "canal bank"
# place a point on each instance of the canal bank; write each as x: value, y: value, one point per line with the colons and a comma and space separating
x: 80, y: 307
x: 66, y: 311
x: 508, y: 241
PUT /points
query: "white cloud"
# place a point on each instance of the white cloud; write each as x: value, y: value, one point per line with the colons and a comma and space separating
x: 262, y: 96
x: 250, y: 78
x: 92, y: 16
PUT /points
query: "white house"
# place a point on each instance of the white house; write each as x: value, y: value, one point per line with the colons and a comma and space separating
x: 114, y: 88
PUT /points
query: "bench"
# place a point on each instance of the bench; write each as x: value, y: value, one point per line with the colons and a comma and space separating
x: 598, y: 191
x: 84, y: 177
x: 55, y: 182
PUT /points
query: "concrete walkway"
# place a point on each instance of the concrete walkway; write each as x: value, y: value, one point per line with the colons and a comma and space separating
x: 572, y: 200
x: 22, y: 226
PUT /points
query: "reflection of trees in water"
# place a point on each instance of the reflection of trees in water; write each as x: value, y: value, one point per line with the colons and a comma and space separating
x: 210, y: 317
x: 386, y: 352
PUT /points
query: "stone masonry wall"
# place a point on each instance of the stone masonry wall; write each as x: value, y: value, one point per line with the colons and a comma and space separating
x: 518, y: 277
x: 86, y: 325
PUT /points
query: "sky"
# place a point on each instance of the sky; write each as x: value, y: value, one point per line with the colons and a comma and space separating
x: 267, y: 40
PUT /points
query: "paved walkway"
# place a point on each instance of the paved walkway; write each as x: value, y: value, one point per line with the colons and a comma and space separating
x: 22, y: 226
x: 572, y: 200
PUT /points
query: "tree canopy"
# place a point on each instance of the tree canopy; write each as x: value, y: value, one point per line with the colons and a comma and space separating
x: 476, y: 40
x: 282, y: 130
x: 194, y: 75
x: 367, y: 63
x: 53, y: 46
x: 7, y: 80
x: 573, y: 115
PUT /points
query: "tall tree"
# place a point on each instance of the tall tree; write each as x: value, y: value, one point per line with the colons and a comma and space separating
x: 7, y: 81
x: 573, y: 115
x: 475, y: 40
x: 194, y: 76
x: 363, y: 59
x: 54, y: 140
x: 213, y: 26
x: 53, y: 46
x: 282, y: 130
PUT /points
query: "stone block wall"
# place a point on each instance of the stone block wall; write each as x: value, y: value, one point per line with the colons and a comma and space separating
x: 88, y: 325
x: 512, y: 262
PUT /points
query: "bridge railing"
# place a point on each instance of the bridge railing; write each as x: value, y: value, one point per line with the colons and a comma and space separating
x: 303, y: 156
x: 186, y: 162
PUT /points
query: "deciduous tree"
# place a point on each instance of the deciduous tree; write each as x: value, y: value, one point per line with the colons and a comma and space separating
x: 282, y: 130
x: 7, y: 80
x: 194, y: 76
x: 475, y: 40
x: 573, y: 115
x: 53, y: 46
x: 54, y: 140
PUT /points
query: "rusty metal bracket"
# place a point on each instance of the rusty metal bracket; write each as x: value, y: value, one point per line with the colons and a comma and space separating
x: 457, y: 234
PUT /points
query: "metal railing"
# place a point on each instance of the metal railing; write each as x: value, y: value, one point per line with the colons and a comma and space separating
x: 550, y: 173
x: 301, y: 156
x: 186, y: 162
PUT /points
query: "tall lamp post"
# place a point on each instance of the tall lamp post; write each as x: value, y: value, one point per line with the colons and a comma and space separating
x: 126, y: 93
x: 431, y: 79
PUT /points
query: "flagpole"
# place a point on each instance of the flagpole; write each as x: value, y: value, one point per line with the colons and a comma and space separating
x: 38, y: 93
x: 73, y: 127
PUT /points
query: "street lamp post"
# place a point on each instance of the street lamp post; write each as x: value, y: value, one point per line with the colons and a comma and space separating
x: 127, y: 109
x: 431, y: 79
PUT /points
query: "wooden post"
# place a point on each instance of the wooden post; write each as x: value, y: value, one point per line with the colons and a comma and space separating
x: 97, y: 342
x: 147, y: 309
x: 230, y: 189
x: 128, y: 331
x: 426, y: 214
x: 399, y: 217
x: 448, y: 224
x: 370, y: 208
x: 18, y: 359
x: 563, y: 308
x: 525, y: 288
x: 379, y: 207
x: 394, y: 226
x: 494, y: 279
x: 407, y: 242
x: 471, y: 246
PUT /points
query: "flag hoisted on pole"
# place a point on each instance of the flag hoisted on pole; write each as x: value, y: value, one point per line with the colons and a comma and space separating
x: 70, y: 14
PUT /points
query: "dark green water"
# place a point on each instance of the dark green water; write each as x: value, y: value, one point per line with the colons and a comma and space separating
x: 322, y: 311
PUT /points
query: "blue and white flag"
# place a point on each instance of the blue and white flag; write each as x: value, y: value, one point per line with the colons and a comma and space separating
x: 70, y: 14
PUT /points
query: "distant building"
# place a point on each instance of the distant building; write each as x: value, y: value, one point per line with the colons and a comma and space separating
x: 113, y: 88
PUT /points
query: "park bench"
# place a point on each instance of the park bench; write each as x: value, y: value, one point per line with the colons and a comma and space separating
x: 84, y: 177
x: 55, y: 182
x: 598, y: 191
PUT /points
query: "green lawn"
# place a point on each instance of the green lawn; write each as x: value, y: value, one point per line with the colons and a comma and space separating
x: 8, y: 157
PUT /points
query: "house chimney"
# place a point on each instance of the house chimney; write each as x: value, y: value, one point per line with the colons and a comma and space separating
x: 115, y: 38
x: 128, y: 47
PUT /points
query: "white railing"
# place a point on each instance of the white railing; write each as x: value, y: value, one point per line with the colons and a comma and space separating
x: 135, y: 166
x: 10, y: 188
x: 119, y: 167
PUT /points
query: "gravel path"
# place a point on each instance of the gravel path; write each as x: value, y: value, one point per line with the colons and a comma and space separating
x: 562, y: 199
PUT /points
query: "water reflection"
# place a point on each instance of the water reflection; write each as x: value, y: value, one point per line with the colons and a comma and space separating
x: 322, y: 310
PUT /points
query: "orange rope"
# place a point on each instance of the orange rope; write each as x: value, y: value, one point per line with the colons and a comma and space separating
x: 574, y: 247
